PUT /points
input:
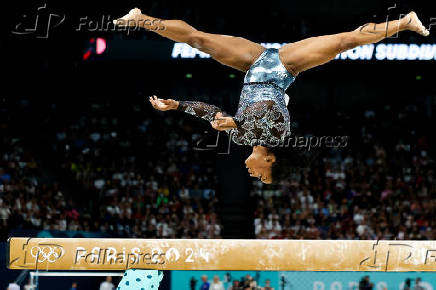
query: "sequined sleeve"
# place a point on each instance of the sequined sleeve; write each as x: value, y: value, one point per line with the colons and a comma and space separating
x: 261, y: 124
x: 199, y: 109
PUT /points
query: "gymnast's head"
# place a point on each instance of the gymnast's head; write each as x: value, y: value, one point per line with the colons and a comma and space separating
x: 259, y: 163
x: 271, y: 165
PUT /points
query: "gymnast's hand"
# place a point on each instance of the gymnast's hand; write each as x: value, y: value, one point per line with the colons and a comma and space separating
x: 162, y: 104
x: 222, y: 123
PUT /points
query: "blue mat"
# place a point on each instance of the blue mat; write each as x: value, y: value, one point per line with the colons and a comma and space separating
x: 136, y: 279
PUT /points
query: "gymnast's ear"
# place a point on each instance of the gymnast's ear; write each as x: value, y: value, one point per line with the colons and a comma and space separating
x: 270, y: 158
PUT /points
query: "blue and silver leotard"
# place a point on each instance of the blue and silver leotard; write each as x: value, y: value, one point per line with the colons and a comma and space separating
x: 262, y: 117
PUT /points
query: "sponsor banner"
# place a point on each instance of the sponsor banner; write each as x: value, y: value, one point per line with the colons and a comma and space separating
x: 381, y: 51
x: 164, y: 50
x: 194, y: 254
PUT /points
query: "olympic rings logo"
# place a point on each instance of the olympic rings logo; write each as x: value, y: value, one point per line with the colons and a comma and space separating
x: 49, y: 253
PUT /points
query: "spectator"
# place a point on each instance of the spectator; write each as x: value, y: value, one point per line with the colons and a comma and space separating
x: 73, y: 286
x: 235, y: 285
x: 29, y: 285
x: 365, y: 284
x: 417, y: 285
x: 407, y: 284
x: 205, y: 285
x: 107, y: 285
x: 247, y: 280
x: 13, y: 286
x: 193, y: 283
x: 216, y: 284
x: 268, y: 285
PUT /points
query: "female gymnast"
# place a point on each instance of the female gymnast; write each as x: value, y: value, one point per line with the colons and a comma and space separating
x: 262, y: 119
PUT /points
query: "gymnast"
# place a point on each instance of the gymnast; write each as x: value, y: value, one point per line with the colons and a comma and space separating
x: 262, y: 120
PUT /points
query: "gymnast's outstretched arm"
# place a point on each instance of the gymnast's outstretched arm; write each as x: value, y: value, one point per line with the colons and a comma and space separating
x: 236, y: 52
x: 207, y: 112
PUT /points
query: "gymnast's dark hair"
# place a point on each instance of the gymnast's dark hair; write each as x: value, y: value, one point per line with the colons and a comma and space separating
x: 288, y: 160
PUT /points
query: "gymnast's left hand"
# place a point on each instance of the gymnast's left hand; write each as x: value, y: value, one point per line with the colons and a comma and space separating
x: 222, y: 123
x: 162, y: 104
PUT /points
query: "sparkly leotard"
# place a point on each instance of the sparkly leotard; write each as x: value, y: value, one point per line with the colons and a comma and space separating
x: 262, y: 117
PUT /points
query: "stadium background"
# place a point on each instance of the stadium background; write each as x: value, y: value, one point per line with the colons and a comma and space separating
x: 83, y: 152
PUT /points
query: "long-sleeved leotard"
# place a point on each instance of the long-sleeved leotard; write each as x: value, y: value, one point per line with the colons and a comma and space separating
x: 259, y: 124
x: 262, y: 117
x: 199, y: 109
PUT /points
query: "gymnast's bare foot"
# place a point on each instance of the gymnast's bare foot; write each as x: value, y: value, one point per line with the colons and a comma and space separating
x: 134, y: 18
x: 414, y: 24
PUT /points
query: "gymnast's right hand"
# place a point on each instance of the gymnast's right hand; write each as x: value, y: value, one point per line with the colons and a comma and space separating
x: 162, y: 104
x: 223, y: 123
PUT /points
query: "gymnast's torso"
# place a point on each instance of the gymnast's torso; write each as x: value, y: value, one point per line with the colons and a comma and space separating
x: 262, y: 117
x: 268, y: 68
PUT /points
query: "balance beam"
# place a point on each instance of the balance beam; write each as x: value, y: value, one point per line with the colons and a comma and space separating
x: 195, y: 254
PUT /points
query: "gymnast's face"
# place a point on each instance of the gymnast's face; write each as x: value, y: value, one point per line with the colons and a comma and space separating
x: 259, y: 164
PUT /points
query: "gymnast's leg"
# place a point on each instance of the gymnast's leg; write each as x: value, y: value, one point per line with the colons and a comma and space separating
x: 236, y: 52
x: 308, y: 53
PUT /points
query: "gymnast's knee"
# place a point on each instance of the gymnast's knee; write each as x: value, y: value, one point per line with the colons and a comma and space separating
x: 197, y: 39
x: 349, y: 40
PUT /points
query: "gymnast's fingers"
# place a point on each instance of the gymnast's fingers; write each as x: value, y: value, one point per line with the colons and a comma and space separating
x: 153, y: 103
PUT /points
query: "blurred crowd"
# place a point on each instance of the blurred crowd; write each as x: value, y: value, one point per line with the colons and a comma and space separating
x: 155, y: 185
x: 381, y: 186
x: 24, y: 201
x: 136, y: 193
x: 246, y: 282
